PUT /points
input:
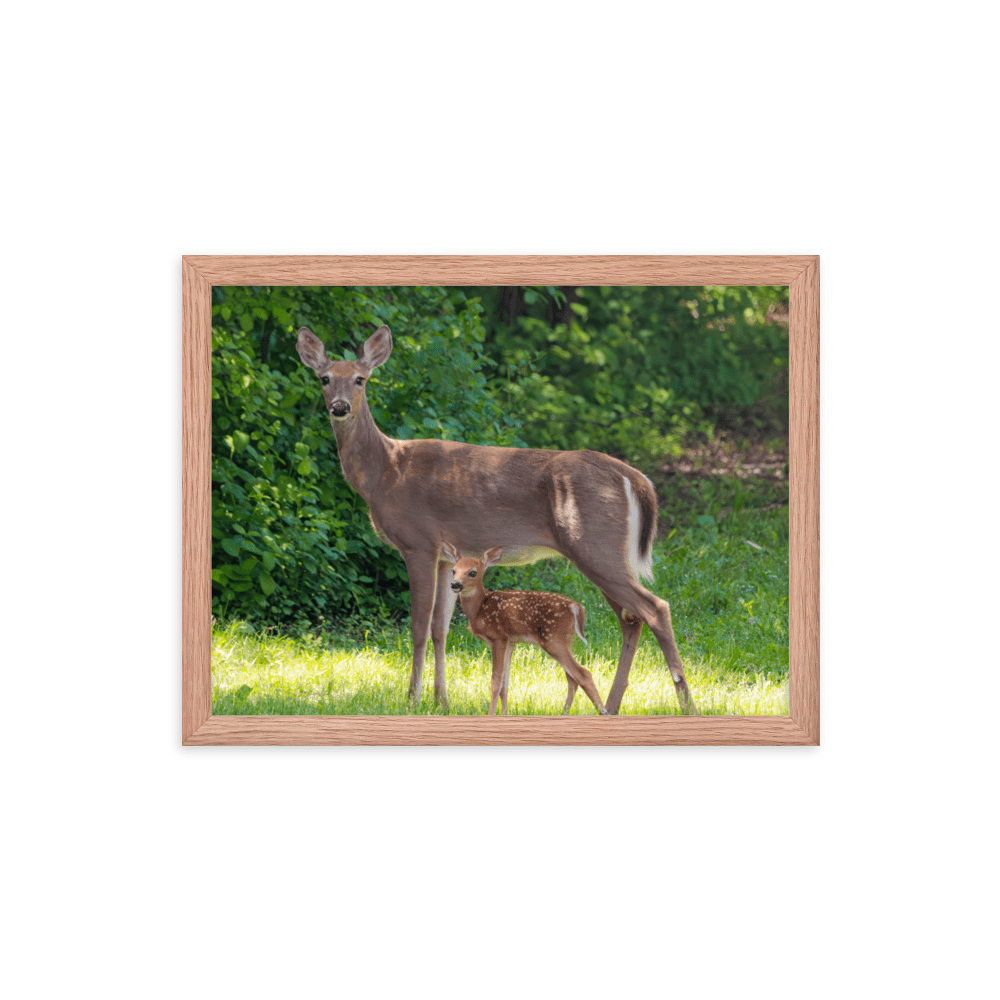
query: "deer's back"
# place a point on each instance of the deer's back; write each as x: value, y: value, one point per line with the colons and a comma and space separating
x: 456, y: 470
x: 524, y: 615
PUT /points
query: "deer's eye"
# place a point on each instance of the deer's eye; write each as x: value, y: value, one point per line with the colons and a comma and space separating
x: 472, y: 573
x: 359, y: 381
x: 325, y: 380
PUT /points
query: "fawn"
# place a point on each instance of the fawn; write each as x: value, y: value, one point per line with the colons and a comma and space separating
x: 502, y: 618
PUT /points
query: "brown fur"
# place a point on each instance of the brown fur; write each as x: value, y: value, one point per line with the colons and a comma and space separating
x: 502, y: 618
x: 421, y: 492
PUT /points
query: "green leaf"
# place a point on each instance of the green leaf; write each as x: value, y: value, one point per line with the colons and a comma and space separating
x: 267, y: 584
x: 304, y: 467
x: 232, y: 545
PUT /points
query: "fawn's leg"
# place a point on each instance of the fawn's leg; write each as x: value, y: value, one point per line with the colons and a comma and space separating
x: 569, y: 697
x: 506, y: 677
x: 500, y: 648
x: 560, y: 651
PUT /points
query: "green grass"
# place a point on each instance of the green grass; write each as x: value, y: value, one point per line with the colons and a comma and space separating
x: 729, y: 602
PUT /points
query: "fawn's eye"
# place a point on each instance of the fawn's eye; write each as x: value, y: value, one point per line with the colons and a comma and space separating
x: 359, y: 381
x: 325, y: 380
x: 472, y: 573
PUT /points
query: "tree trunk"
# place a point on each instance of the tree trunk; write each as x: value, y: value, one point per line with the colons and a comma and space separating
x: 511, y: 304
x: 566, y: 314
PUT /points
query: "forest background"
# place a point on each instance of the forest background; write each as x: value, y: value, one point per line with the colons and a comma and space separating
x: 690, y: 385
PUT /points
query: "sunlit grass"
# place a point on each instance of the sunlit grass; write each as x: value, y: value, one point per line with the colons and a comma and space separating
x: 729, y: 601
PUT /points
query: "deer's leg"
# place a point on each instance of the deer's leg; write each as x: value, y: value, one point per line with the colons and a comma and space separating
x: 500, y: 648
x: 506, y: 677
x: 444, y: 607
x: 619, y: 588
x: 421, y: 569
x: 569, y: 697
x: 559, y: 651
x: 656, y: 614
x: 631, y: 626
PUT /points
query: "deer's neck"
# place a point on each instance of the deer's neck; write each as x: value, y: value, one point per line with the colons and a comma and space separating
x: 472, y: 603
x: 365, y: 452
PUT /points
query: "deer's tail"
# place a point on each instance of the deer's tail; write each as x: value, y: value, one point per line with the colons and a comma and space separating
x: 641, y: 499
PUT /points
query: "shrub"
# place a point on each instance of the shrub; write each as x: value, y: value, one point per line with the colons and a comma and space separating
x: 291, y: 541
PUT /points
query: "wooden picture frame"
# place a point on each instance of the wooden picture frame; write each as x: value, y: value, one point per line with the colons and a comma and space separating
x: 800, y: 727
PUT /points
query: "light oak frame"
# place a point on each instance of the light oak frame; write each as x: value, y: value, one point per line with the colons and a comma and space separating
x: 801, y: 727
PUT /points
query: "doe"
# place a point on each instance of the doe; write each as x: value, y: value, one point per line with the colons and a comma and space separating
x: 535, y: 503
x: 502, y: 618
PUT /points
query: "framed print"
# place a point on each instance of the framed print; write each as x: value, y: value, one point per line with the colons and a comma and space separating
x: 802, y: 273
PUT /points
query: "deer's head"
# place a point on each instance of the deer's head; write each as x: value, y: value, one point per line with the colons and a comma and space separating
x: 467, y: 573
x: 344, y: 381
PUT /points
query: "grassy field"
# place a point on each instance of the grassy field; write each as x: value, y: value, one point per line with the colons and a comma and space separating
x: 723, y: 567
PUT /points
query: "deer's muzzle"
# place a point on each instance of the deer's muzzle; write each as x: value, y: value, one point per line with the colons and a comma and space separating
x: 340, y: 408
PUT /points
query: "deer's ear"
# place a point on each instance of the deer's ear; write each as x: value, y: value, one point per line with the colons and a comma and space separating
x: 449, y: 552
x: 311, y: 349
x: 376, y: 349
x: 491, y: 557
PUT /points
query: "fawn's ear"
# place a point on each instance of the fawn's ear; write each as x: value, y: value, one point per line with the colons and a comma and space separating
x: 449, y: 552
x: 311, y: 349
x: 491, y: 557
x: 376, y: 349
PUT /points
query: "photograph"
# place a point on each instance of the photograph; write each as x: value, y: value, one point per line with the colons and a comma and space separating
x: 530, y: 500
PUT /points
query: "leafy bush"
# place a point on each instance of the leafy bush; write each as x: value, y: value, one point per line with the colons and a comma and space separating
x: 631, y: 371
x: 637, y: 371
x: 290, y: 540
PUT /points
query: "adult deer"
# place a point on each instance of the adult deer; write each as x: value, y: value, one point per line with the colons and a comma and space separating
x: 503, y: 618
x: 596, y: 511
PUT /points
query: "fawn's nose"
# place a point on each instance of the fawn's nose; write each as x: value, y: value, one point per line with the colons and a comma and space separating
x: 455, y: 585
x: 340, y: 408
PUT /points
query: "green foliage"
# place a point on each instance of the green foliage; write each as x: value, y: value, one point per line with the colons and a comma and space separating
x: 637, y: 371
x: 632, y: 371
x: 290, y: 540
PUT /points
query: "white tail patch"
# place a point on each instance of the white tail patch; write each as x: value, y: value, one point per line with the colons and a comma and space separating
x: 576, y: 622
x: 641, y: 568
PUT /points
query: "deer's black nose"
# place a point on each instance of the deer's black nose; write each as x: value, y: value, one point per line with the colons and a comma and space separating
x: 340, y: 408
x: 456, y: 585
